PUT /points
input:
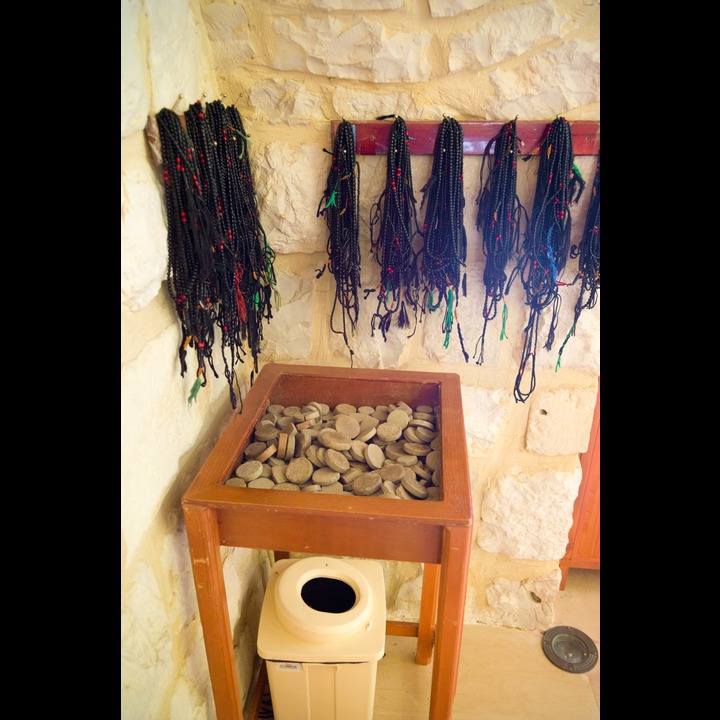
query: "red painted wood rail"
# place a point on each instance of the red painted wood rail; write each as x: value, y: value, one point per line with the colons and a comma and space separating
x: 372, y: 136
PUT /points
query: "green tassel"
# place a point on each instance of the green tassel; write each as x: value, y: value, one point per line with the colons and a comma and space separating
x: 567, y: 337
x: 194, y: 391
x: 503, y: 334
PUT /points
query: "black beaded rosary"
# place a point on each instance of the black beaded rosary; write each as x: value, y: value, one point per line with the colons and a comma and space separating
x: 228, y: 242
x: 499, y: 217
x: 339, y: 205
x: 445, y: 241
x: 588, y: 254
x: 191, y: 236
x: 546, y: 245
x: 393, y: 247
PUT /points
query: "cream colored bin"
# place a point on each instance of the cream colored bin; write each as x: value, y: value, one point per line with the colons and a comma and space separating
x: 322, y: 631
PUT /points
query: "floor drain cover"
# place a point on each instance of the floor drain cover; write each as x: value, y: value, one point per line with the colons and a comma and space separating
x: 570, y: 649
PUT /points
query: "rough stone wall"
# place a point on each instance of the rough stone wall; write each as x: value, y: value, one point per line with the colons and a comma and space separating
x: 291, y: 67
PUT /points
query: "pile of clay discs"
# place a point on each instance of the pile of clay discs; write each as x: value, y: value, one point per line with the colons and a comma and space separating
x: 390, y: 451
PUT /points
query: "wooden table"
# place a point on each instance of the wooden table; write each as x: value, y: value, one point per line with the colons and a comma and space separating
x: 435, y: 533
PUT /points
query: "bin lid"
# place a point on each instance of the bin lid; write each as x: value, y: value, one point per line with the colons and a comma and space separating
x: 299, y: 633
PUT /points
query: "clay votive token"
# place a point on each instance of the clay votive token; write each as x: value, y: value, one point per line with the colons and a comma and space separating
x: 254, y: 449
x: 299, y: 470
x: 421, y: 423
x: 249, y: 470
x: 322, y: 408
x: 345, y: 409
x: 312, y: 487
x: 335, y: 488
x: 262, y: 483
x: 424, y: 434
x: 389, y: 431
x: 336, y: 460
x: 282, y: 444
x: 434, y: 493
x: 433, y: 460
x: 399, y: 417
x: 410, y: 435
x: 414, y: 488
x: 367, y: 483
x: 366, y: 435
x: 286, y: 486
x: 236, y: 482
x: 381, y: 412
x: 349, y: 475
x: 374, y: 456
x: 402, y: 493
x: 347, y: 425
x: 311, y: 455
x: 331, y: 438
x: 326, y: 476
x: 266, y: 433
x: 290, y: 450
x: 278, y: 473
x: 418, y: 449
x: 388, y: 488
x: 268, y: 452
x: 392, y: 472
x: 275, y: 409
x: 394, y: 450
x: 366, y: 409
x: 357, y: 450
x: 427, y: 409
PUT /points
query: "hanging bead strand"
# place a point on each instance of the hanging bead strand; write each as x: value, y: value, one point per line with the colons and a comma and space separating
x: 339, y: 205
x: 395, y: 213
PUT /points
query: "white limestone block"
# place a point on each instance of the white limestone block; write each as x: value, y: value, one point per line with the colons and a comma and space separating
x: 484, y: 413
x: 528, y: 516
x: 559, y: 421
x: 505, y: 34
x: 284, y: 101
x: 524, y: 605
x: 552, y: 82
x: 290, y: 180
x: 134, y: 90
x: 450, y: 8
x: 288, y: 334
x: 143, y: 232
x: 228, y: 30
x: 360, y: 51
x: 355, y: 104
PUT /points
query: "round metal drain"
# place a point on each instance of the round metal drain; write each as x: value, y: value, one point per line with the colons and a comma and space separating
x: 570, y: 649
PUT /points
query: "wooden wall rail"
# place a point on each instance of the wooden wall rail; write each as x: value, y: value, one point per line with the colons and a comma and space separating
x: 372, y: 136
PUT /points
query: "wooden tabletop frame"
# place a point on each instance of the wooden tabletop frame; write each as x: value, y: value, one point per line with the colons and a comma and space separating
x: 436, y: 533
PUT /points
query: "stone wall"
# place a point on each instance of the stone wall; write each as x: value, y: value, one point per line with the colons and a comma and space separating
x: 292, y: 67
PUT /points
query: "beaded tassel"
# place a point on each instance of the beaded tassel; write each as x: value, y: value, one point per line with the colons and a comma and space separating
x: 588, y: 251
x: 547, y: 241
x: 393, y: 248
x: 226, y: 242
x: 498, y: 219
x: 191, y: 235
x: 339, y: 205
x: 445, y: 241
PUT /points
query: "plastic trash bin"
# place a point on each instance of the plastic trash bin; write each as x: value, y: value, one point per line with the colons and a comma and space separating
x: 321, y: 633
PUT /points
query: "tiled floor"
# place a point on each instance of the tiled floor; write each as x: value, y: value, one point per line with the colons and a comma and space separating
x: 504, y: 674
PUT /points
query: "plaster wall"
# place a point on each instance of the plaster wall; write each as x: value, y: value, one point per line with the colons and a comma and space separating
x: 291, y: 67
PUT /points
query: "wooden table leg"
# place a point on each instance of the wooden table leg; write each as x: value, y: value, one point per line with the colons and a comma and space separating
x: 428, y: 613
x: 451, y: 612
x: 204, y: 544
